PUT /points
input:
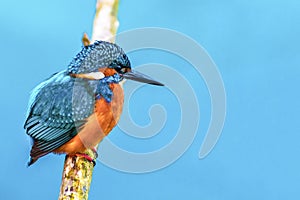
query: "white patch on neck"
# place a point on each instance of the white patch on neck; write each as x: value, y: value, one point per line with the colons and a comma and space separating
x: 94, y: 75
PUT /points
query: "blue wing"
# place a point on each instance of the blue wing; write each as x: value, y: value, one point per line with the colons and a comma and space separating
x: 58, y: 108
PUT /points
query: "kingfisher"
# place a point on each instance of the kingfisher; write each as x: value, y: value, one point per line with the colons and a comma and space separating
x: 74, y: 109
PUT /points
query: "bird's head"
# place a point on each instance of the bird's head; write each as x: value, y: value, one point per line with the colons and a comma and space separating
x: 104, y: 59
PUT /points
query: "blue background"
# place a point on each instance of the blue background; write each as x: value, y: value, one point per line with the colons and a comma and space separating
x: 255, y: 45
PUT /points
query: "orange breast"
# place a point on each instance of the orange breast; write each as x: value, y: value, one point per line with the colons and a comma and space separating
x: 99, y: 124
x: 108, y: 114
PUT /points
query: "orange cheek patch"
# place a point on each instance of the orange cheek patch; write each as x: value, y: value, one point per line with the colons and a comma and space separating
x: 107, y: 71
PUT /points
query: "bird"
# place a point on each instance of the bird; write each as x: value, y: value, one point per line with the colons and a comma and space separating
x: 74, y: 109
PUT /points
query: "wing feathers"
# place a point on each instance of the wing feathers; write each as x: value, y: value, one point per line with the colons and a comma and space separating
x: 41, y: 147
x: 58, y: 106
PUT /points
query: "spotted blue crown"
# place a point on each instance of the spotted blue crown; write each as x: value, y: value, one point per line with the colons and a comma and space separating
x: 95, y: 56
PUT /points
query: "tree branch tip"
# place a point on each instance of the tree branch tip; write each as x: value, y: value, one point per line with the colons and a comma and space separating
x: 85, y: 40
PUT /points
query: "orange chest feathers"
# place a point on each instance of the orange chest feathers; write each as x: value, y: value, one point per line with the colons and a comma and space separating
x: 108, y: 114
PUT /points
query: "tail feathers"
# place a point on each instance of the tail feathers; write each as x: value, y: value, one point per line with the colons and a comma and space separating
x: 31, y: 161
x: 36, y: 153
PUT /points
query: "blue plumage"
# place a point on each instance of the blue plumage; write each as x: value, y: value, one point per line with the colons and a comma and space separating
x: 103, y: 90
x: 95, y: 56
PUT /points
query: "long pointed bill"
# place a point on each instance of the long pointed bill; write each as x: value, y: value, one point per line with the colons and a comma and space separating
x: 138, y: 76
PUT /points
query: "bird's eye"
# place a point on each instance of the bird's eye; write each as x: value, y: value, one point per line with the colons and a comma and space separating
x: 121, y: 70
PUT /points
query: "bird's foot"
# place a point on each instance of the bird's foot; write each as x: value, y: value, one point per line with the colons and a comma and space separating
x: 87, y: 157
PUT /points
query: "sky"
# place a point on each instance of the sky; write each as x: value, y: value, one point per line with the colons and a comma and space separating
x: 255, y: 46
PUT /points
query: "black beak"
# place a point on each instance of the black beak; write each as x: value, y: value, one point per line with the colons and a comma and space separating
x: 137, y: 76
